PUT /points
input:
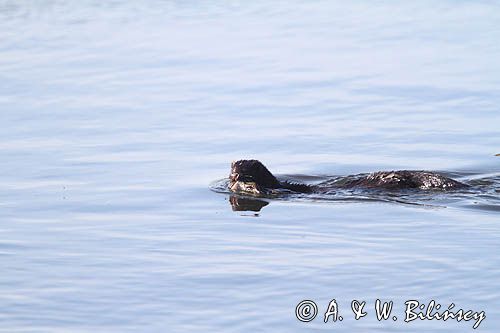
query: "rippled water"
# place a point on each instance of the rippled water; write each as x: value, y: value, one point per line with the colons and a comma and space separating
x: 481, y: 191
x: 117, y: 116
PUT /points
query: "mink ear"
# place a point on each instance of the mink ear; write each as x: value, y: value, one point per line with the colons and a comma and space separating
x: 232, y: 164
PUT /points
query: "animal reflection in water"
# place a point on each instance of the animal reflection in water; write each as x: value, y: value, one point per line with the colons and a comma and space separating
x: 242, y: 204
x: 252, y: 186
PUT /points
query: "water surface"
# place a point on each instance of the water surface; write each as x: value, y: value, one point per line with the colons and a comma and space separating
x: 117, y: 117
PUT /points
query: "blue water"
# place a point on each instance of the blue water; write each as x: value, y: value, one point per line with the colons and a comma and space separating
x: 117, y: 116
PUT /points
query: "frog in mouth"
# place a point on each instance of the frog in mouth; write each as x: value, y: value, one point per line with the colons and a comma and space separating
x: 251, y: 176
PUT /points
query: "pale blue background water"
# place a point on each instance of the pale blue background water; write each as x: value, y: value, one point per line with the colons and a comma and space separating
x: 116, y: 117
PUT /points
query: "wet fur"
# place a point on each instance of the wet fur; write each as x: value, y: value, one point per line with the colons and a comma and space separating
x: 252, y: 176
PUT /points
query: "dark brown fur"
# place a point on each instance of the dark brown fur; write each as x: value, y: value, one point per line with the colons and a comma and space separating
x: 253, y: 177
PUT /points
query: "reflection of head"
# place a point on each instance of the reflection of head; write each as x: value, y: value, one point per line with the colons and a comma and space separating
x: 239, y: 204
x: 251, y: 176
